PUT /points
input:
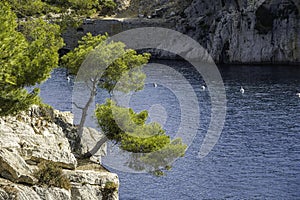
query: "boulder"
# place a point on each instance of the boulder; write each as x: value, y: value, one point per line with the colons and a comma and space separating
x: 14, y: 168
x: 91, y: 177
x: 36, y: 138
x: 52, y: 193
x: 93, y: 184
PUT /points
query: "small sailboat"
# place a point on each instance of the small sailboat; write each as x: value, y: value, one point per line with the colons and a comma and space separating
x: 242, y: 90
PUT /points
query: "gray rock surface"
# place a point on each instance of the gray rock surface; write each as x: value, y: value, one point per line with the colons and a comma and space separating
x: 47, y: 135
x: 35, y: 138
x: 22, y: 192
x: 91, y: 177
x: 245, y: 31
x: 13, y: 167
x: 90, y: 138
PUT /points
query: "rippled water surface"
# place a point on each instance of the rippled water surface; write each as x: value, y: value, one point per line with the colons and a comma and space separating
x: 257, y: 155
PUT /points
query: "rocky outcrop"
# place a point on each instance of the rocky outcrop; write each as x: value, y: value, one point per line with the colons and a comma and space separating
x: 35, y: 138
x: 47, y: 135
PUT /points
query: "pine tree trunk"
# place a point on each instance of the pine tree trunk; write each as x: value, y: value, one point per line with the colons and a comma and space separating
x: 83, y: 118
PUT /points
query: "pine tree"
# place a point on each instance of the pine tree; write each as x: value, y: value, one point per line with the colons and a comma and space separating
x: 156, y: 151
x: 26, y: 59
x: 105, y: 64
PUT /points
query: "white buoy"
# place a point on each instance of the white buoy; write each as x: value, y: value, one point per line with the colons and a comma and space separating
x: 242, y: 90
x: 203, y: 87
x: 298, y: 94
x: 68, y: 79
x: 154, y: 85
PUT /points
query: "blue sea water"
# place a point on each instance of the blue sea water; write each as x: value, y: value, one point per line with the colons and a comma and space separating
x: 257, y: 155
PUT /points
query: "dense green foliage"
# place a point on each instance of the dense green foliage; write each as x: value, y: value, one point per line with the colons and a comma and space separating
x: 50, y: 174
x: 65, y: 13
x: 165, y: 156
x: 130, y: 130
x: 73, y: 60
x: 26, y: 58
x: 25, y: 8
x: 73, y: 8
x: 113, y: 62
x: 127, y: 127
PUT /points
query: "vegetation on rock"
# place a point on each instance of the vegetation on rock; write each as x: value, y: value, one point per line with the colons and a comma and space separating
x: 50, y: 174
x: 70, y: 8
x: 110, y: 66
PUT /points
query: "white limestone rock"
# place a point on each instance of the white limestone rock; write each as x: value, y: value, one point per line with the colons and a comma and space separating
x: 14, y: 168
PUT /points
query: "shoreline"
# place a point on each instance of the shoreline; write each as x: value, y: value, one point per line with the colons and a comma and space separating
x: 292, y: 64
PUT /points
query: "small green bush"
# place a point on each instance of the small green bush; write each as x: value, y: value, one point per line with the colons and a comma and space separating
x: 110, y: 186
x: 108, y: 190
x: 50, y: 174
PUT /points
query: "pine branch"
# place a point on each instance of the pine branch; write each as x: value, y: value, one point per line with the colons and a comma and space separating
x: 81, y: 108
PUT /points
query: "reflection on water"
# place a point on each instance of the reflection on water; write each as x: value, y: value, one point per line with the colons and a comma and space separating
x: 258, y: 154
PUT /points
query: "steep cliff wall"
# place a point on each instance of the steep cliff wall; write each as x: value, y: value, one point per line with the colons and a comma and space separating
x: 245, y: 31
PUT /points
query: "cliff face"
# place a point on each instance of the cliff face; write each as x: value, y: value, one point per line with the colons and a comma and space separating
x: 232, y: 31
x: 46, y: 136
x: 245, y: 31
x: 236, y: 31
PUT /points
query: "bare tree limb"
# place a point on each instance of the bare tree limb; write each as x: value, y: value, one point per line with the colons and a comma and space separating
x: 81, y: 108
x: 95, y: 148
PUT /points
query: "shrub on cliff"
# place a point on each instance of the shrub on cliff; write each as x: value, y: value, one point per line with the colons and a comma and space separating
x: 65, y: 10
x: 50, y: 174
x: 107, y: 7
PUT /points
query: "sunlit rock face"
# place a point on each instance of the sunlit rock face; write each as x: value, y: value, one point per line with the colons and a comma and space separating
x: 244, y: 31
x: 235, y: 31
x: 47, y: 135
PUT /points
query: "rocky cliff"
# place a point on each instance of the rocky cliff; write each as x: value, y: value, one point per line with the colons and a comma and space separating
x: 42, y: 137
x: 245, y: 31
x: 236, y: 31
x: 233, y: 31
